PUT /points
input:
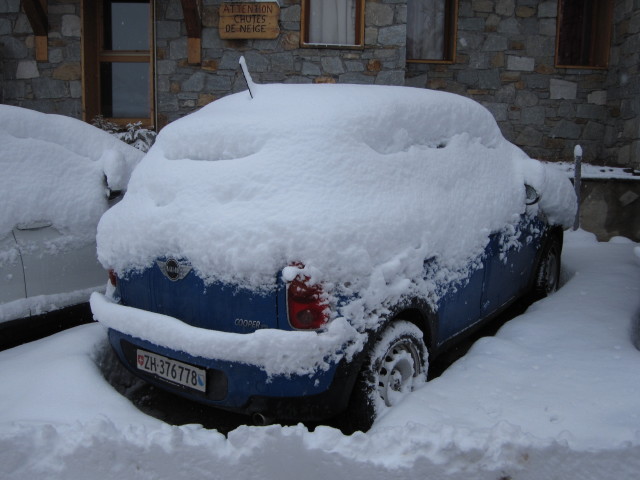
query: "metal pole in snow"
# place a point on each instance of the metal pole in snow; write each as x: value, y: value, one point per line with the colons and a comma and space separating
x: 577, y: 156
x: 247, y: 75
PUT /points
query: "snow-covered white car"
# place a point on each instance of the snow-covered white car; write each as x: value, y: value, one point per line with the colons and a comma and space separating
x: 304, y: 251
x: 53, y: 194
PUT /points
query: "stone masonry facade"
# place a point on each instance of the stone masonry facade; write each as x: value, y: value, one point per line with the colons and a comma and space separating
x: 181, y: 87
x: 504, y: 59
x: 51, y: 87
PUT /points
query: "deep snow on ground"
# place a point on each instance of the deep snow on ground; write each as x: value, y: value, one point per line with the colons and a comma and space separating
x: 555, y: 394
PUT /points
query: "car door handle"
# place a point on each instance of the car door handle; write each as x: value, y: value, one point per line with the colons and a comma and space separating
x: 35, y: 225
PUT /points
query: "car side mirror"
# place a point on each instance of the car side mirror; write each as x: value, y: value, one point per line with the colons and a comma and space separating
x: 116, y: 172
x: 531, y: 195
x: 110, y: 193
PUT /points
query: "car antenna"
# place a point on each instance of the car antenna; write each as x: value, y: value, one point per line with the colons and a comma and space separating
x: 247, y: 75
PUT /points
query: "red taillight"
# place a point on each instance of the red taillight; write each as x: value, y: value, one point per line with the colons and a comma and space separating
x: 308, y: 309
x: 113, y: 278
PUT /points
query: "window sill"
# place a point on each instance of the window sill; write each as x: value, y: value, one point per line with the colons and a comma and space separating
x: 583, y: 67
x: 331, y: 46
x: 435, y: 62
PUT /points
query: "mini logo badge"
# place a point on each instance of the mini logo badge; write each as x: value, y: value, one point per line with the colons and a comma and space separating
x: 173, y: 270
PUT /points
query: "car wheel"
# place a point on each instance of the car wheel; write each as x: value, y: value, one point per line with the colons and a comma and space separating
x: 395, y: 366
x: 547, y: 277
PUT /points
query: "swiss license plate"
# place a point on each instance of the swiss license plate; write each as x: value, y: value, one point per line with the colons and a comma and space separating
x: 172, y: 370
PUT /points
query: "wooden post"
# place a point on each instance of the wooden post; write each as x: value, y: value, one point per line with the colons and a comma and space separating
x: 42, y: 48
x: 193, y: 50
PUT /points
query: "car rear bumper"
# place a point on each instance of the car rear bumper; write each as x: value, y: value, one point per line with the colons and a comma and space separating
x: 284, y: 375
x: 248, y: 389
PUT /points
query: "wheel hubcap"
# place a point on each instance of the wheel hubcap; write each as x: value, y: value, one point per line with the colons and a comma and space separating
x: 399, y: 367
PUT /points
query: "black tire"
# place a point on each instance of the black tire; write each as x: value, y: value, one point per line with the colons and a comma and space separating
x: 547, y: 276
x: 396, y: 364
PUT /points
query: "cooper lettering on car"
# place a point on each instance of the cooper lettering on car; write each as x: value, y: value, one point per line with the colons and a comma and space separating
x: 244, y: 323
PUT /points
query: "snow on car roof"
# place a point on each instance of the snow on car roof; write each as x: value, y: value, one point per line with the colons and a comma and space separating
x: 328, y: 116
x: 52, y: 169
x: 359, y: 183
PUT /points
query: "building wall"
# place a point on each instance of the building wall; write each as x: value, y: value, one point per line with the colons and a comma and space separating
x: 622, y: 136
x: 51, y: 87
x: 505, y: 60
x: 182, y: 87
x: 609, y: 208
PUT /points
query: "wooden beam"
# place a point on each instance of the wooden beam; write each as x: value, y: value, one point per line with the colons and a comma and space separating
x: 193, y: 22
x: 90, y: 65
x: 192, y: 18
x: 37, y: 15
x: 36, y: 11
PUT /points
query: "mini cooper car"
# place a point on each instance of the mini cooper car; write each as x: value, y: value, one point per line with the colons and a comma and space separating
x: 56, y: 175
x: 305, y: 251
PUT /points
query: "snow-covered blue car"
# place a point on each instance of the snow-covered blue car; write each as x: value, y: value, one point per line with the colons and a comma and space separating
x: 305, y: 251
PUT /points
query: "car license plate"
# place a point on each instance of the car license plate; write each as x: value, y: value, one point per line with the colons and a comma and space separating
x: 172, y: 370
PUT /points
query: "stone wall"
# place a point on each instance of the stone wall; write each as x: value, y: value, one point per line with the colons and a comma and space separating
x: 506, y: 60
x: 182, y: 87
x: 609, y: 208
x: 51, y: 87
x: 622, y: 137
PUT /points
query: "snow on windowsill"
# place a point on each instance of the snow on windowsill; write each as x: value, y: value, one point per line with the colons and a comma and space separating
x: 590, y: 171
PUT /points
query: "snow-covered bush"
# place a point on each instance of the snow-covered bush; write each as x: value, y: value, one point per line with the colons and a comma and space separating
x: 134, y: 135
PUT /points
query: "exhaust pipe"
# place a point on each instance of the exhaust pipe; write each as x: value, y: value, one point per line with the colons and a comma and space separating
x: 261, y: 420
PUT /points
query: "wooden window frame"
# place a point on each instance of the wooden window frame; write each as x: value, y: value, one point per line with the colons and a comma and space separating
x: 359, y: 29
x: 450, y: 37
x: 93, y: 55
x: 599, y: 42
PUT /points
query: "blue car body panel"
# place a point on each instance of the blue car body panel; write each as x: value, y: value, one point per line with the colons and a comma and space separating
x: 459, y: 308
x: 503, y: 273
x: 214, y: 307
x: 509, y: 264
